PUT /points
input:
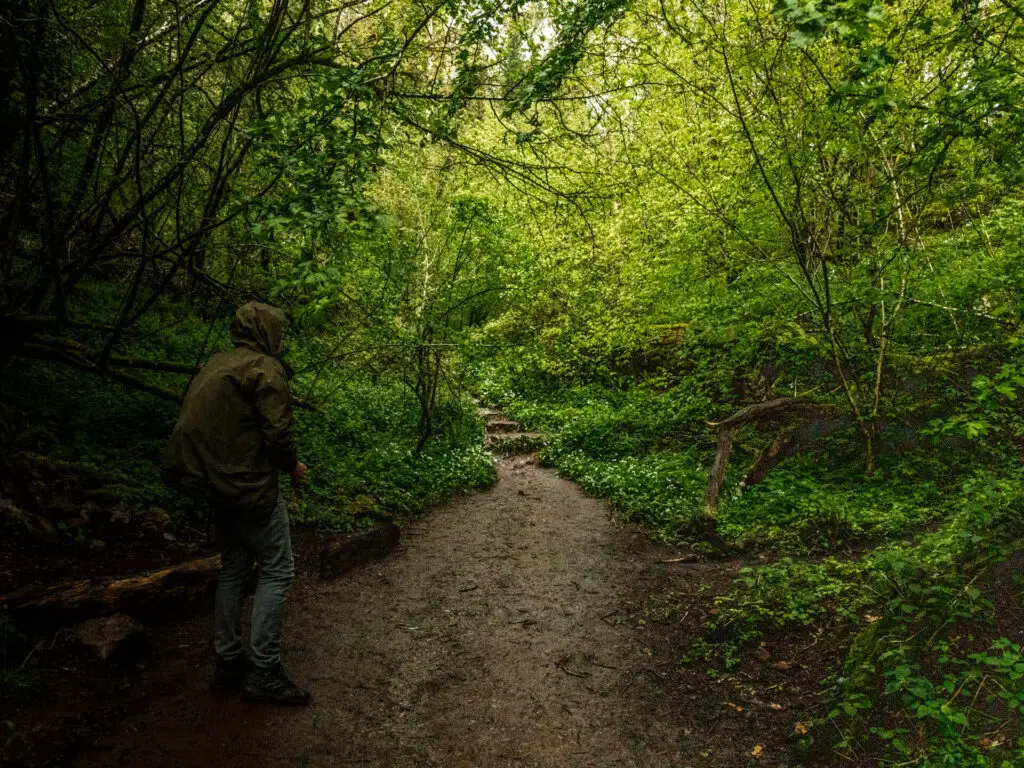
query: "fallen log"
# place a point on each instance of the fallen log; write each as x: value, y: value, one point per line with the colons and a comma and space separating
x: 767, y: 411
x: 117, y: 361
x: 778, y: 409
x: 153, y: 593
x: 691, y: 558
x: 81, y: 363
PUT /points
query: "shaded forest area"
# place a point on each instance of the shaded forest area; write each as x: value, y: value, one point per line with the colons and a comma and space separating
x: 752, y: 270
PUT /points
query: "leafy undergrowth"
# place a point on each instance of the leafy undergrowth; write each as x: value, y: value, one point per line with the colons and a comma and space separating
x: 363, y: 462
x: 359, y: 443
x: 360, y: 446
x: 649, y: 452
x: 928, y: 680
x: 897, y: 564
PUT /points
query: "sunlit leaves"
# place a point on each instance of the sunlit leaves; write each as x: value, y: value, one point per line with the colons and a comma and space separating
x: 847, y: 20
x: 578, y: 20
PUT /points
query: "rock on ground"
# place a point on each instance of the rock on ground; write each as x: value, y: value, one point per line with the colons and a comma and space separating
x: 118, y: 638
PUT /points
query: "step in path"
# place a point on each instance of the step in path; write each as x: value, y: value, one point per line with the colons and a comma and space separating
x: 505, y: 436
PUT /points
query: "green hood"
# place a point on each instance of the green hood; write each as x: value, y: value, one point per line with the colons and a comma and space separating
x: 235, y: 431
x: 260, y: 327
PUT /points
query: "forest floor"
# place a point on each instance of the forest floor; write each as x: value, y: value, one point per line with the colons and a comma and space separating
x: 519, y: 626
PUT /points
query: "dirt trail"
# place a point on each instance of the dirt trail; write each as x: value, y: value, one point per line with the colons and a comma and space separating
x: 498, y: 636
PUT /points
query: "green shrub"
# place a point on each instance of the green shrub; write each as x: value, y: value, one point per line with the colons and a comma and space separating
x: 359, y: 445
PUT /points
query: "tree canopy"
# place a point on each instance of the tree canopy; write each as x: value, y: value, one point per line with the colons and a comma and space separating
x: 798, y: 222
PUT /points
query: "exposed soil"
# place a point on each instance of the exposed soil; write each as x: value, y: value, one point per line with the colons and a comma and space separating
x: 520, y: 626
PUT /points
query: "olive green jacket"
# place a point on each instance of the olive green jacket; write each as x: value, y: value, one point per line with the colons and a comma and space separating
x: 235, y: 432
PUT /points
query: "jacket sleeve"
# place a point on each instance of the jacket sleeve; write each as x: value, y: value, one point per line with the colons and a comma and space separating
x: 274, y: 406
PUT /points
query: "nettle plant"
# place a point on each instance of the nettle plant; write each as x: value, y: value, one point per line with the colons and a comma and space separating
x: 954, y: 710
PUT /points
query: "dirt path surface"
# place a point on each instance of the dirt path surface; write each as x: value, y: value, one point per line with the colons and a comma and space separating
x: 491, y: 640
x: 516, y: 627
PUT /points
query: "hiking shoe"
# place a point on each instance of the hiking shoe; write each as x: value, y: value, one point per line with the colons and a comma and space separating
x: 230, y: 673
x: 274, y: 686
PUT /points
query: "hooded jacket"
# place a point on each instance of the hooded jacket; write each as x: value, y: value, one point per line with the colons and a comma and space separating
x: 235, y: 431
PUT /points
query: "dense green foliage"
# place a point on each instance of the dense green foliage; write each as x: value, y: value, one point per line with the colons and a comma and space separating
x: 623, y: 222
x: 818, y: 202
x: 362, y: 443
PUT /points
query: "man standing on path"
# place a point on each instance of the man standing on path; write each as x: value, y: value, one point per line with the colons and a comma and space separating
x: 232, y: 439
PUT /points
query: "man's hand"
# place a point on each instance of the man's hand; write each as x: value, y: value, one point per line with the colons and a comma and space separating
x: 299, y: 473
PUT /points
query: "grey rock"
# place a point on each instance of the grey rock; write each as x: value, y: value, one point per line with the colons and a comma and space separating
x: 113, y: 639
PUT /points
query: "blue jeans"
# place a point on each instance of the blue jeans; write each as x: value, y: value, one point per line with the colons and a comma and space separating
x: 241, y: 543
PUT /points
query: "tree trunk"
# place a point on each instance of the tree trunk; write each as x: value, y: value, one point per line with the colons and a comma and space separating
x: 770, y: 410
x: 717, y: 476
